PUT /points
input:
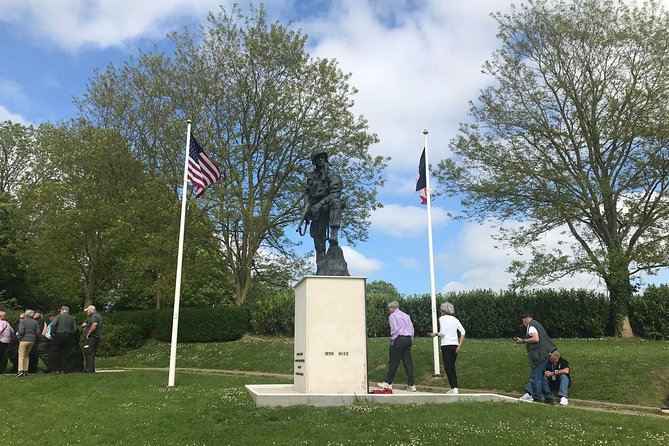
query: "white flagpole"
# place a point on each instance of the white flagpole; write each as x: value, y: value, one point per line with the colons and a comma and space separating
x: 177, y: 287
x: 435, y: 340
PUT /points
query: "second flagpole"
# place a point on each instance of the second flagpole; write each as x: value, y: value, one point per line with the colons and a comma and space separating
x: 177, y: 287
x: 433, y: 297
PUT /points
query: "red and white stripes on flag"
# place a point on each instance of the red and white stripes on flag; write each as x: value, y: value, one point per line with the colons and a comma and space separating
x: 421, y: 182
x: 202, y: 172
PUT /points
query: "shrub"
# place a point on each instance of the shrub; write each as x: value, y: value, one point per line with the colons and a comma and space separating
x: 144, y: 320
x: 486, y: 314
x: 119, y: 338
x: 274, y: 314
x: 377, y: 315
x: 420, y: 310
x: 204, y: 324
x: 649, y: 313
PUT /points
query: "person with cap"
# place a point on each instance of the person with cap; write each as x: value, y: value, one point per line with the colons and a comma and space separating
x: 27, y: 333
x: 401, y: 341
x: 323, y: 204
x: 93, y: 330
x: 63, y: 332
x: 539, y: 346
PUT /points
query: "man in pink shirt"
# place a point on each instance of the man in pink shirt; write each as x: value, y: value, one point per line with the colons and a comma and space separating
x: 401, y: 340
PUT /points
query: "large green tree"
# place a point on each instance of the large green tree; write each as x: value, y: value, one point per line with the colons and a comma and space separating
x: 572, y: 136
x: 94, y: 230
x: 12, y: 273
x: 75, y: 213
x: 17, y: 156
x: 259, y: 104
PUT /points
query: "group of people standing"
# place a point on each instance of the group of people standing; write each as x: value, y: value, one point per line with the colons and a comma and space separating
x: 549, y: 370
x: 55, y: 342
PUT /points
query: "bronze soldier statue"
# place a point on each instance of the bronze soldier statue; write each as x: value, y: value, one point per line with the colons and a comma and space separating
x: 323, y: 206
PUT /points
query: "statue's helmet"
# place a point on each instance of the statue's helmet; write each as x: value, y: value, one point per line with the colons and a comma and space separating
x: 316, y: 152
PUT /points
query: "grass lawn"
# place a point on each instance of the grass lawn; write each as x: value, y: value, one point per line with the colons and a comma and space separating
x: 611, y: 370
x: 135, y: 408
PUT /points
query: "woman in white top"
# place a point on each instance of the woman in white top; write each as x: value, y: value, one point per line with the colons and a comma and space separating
x: 452, y: 335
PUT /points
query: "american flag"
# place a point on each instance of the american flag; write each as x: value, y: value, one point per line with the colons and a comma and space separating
x: 421, y: 182
x: 202, y: 171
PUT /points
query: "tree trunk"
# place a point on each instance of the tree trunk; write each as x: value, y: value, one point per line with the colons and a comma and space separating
x: 626, y: 330
x: 242, y: 284
x: 90, y: 288
x: 620, y: 290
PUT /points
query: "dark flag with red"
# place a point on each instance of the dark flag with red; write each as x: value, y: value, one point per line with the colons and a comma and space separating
x: 421, y: 183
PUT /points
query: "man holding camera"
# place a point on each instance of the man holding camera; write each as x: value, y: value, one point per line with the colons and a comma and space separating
x: 539, y: 346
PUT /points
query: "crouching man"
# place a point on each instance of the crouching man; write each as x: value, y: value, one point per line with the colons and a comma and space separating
x: 557, y: 374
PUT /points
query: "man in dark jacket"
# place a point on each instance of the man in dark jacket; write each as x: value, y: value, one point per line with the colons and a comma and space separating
x: 93, y: 329
x: 63, y: 332
x: 34, y: 354
x: 539, y: 346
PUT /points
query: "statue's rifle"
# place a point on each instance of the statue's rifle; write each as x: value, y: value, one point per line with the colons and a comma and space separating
x: 304, y: 220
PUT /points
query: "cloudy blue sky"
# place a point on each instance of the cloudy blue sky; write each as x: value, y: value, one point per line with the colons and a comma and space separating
x: 416, y: 64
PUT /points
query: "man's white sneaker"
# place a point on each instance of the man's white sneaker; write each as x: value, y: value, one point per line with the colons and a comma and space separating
x: 411, y: 388
x: 527, y: 397
x: 453, y: 391
x: 384, y: 385
x: 564, y: 401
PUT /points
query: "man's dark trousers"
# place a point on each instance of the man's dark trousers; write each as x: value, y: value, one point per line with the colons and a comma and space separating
x: 400, y: 350
x: 90, y: 349
x: 60, y: 344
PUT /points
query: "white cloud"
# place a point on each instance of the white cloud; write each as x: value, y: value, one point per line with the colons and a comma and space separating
x: 406, y: 221
x: 11, y: 92
x: 72, y: 24
x: 6, y: 115
x: 358, y: 264
x: 477, y: 261
x: 418, y: 73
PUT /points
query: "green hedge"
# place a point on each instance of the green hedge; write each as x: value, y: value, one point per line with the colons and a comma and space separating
x: 143, y: 320
x: 649, y: 313
x: 118, y: 338
x: 127, y: 330
x: 489, y: 314
x: 484, y: 314
x: 217, y: 324
x: 377, y: 315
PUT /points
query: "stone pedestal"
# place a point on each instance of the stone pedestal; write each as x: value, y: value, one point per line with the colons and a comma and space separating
x: 330, y: 335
